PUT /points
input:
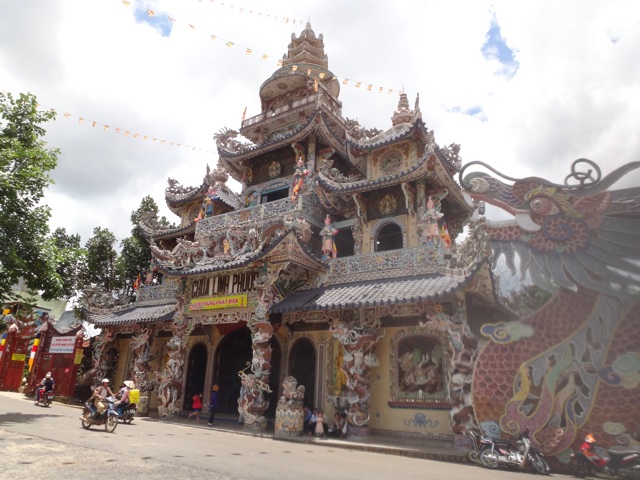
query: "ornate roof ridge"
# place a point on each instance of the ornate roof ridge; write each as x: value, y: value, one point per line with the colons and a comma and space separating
x: 226, y: 155
x: 415, y: 171
x: 182, y: 198
x: 149, y: 232
x: 393, y: 134
x: 236, y: 264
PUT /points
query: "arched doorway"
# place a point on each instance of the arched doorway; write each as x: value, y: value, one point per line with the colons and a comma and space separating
x: 232, y: 355
x: 302, y: 366
x: 196, y: 368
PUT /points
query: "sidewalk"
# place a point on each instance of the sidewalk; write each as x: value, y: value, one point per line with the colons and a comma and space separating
x: 439, y: 450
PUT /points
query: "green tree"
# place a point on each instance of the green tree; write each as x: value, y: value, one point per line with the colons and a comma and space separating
x: 70, y: 260
x: 25, y: 163
x: 135, y: 255
x: 100, y: 266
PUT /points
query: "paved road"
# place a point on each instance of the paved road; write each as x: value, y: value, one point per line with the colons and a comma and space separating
x: 38, y: 442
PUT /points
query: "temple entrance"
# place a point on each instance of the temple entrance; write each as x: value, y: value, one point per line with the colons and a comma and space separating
x: 196, y: 368
x: 233, y: 354
x: 302, y: 366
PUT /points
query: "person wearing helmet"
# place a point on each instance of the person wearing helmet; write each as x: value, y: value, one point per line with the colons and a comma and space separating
x: 99, y: 396
x: 587, y: 450
x: 46, y: 385
x: 123, y: 396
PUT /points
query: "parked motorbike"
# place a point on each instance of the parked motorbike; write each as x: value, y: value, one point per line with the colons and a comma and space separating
x: 44, y: 398
x: 128, y: 413
x: 520, y: 454
x: 621, y: 463
x: 108, y: 418
x: 479, y: 443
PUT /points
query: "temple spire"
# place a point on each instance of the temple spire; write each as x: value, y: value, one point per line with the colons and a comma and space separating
x: 307, y: 48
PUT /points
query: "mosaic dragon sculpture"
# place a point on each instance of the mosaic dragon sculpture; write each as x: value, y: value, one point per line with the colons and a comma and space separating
x: 572, y: 366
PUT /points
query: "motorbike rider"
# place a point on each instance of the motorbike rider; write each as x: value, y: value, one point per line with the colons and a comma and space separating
x: 123, y: 396
x: 587, y: 450
x: 46, y: 385
x: 99, y: 396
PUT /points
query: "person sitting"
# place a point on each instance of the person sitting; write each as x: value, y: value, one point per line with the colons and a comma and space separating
x: 338, y: 427
x: 313, y: 420
x: 306, y: 422
x: 99, y: 397
x: 123, y: 396
x: 46, y: 385
x: 587, y: 450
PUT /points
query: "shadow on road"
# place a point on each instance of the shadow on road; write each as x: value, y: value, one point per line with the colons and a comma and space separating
x: 14, y: 418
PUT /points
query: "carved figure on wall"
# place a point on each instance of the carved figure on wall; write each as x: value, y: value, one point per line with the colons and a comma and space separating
x: 300, y: 172
x: 327, y: 233
x: 184, y: 254
x: 255, y: 385
x: 100, y: 356
x: 409, y: 197
x: 141, y: 349
x: 388, y: 205
x: 252, y: 199
x: 361, y: 207
x: 359, y: 343
x: 169, y: 382
x: 420, y: 371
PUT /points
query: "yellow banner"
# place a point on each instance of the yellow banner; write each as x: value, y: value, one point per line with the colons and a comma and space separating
x: 19, y: 357
x: 210, y: 303
x: 77, y: 360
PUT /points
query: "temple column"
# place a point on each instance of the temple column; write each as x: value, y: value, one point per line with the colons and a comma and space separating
x: 252, y: 402
x: 359, y: 339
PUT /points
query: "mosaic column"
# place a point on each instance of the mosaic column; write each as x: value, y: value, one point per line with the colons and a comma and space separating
x: 169, y: 380
x: 141, y: 350
x: 252, y: 402
x: 359, y: 342
x: 100, y: 356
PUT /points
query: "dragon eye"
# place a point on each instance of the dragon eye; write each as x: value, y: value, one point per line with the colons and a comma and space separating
x: 543, y: 206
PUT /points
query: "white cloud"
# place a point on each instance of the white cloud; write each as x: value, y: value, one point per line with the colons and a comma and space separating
x: 576, y: 91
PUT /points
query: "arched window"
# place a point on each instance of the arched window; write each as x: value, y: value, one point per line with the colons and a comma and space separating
x: 389, y: 237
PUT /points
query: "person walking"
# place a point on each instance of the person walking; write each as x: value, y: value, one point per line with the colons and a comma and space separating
x: 213, y: 404
x: 196, y: 404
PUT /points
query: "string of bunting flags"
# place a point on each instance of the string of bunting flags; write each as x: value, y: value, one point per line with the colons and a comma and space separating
x: 128, y: 133
x: 369, y: 87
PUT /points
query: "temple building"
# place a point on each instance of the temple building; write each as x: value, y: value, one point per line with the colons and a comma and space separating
x: 336, y: 263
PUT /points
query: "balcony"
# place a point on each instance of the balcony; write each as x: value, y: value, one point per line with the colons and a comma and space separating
x: 263, y: 214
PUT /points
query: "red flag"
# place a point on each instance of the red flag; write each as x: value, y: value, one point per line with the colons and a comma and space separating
x: 136, y: 284
x: 244, y: 114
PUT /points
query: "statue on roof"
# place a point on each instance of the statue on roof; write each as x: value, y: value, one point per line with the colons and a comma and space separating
x: 329, y: 249
x: 432, y: 215
x: 300, y: 172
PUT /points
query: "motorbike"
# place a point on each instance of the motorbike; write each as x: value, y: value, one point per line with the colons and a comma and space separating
x: 479, y: 443
x: 623, y: 463
x: 128, y: 413
x: 45, y: 398
x: 520, y: 454
x: 108, y: 418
